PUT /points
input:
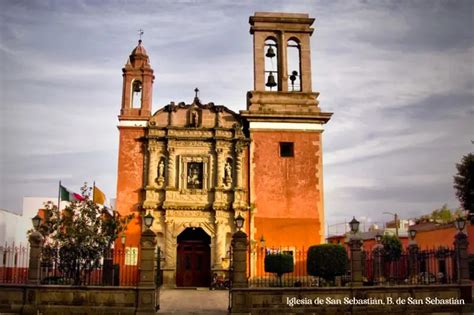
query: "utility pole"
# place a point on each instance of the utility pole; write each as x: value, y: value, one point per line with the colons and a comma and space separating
x: 395, y: 216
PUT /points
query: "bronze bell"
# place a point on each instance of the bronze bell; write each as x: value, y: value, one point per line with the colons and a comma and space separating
x: 137, y: 86
x: 271, y: 81
x: 270, y: 53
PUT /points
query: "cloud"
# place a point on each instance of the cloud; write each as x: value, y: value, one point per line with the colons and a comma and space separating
x: 398, y: 77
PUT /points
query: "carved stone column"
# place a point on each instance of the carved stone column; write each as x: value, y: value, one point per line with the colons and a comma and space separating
x: 171, y: 168
x: 148, y: 294
x: 36, y: 244
x: 239, y: 261
x: 355, y: 244
x: 238, y: 165
x: 220, y: 166
x: 220, y: 241
x: 462, y: 258
x: 170, y: 245
x: 152, y: 165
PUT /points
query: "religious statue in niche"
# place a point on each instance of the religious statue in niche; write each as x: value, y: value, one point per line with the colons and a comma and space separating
x: 161, y: 172
x: 194, y: 119
x: 195, y: 176
x: 228, y: 173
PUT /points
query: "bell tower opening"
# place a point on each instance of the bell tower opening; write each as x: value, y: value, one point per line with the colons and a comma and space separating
x: 294, y: 66
x: 136, y: 94
x: 271, y: 65
x: 193, y: 267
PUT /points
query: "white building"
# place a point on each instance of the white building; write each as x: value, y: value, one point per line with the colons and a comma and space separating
x: 14, y: 226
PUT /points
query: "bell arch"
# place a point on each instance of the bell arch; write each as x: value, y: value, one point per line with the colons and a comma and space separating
x: 271, y: 58
x: 137, y: 90
x: 293, y: 53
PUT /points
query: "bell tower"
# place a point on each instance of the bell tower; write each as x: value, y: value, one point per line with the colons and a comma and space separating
x: 133, y: 120
x: 285, y: 125
x: 137, y: 86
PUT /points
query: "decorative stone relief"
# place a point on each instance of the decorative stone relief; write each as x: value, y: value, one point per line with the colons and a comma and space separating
x: 161, y: 172
x: 228, y: 173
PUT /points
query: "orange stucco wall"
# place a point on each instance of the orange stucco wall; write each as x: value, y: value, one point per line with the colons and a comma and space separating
x: 130, y: 180
x: 443, y: 237
x: 287, y: 191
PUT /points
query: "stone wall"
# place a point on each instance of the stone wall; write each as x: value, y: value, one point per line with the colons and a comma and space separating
x: 37, y: 299
x: 396, y: 299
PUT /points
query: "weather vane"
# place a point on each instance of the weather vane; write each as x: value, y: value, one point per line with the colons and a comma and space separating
x: 140, y: 33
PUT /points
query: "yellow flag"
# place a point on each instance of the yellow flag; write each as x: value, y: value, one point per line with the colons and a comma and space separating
x: 98, y: 196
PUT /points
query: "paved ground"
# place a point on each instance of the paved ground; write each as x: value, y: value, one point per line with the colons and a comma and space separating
x: 193, y: 301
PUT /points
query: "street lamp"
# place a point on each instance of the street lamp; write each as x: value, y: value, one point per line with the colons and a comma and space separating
x: 354, y: 224
x: 412, y: 234
x: 36, y: 221
x: 148, y: 220
x: 239, y: 221
x: 460, y: 223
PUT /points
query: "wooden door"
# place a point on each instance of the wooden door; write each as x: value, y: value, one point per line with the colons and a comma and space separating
x: 193, y: 268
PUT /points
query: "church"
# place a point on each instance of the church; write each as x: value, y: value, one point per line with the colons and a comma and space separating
x: 196, y: 166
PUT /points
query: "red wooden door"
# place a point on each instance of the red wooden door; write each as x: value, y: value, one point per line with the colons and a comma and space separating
x: 193, y: 268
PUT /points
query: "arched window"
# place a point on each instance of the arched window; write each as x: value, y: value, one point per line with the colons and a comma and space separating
x: 294, y: 66
x: 137, y: 88
x: 271, y: 65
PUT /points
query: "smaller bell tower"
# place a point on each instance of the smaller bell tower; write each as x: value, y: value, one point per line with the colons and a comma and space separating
x: 137, y: 86
x: 133, y: 121
x: 285, y: 125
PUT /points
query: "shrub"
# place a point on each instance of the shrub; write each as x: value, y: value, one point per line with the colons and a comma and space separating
x: 392, y: 247
x: 279, y: 264
x: 327, y: 261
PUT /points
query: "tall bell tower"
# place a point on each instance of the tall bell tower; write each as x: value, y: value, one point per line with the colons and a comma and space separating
x: 285, y: 125
x: 133, y: 119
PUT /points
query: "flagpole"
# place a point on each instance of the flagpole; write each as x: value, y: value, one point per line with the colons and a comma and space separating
x: 59, y: 196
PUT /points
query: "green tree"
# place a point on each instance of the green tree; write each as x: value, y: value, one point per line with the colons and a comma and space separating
x: 77, y: 237
x: 442, y: 215
x: 392, y: 247
x: 464, y: 182
x: 327, y: 261
x: 279, y: 264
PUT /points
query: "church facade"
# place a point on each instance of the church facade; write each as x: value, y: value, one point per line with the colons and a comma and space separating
x: 195, y: 167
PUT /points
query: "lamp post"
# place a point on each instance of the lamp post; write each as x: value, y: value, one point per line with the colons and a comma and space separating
x: 355, y: 244
x: 395, y: 217
x: 413, y: 257
x: 36, y: 244
x: 462, y: 258
x: 239, y: 255
x: 378, y: 254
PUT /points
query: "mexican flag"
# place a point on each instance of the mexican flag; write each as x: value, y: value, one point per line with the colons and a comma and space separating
x: 66, y: 195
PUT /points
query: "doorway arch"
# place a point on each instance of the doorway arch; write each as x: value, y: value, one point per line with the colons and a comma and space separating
x: 193, y: 258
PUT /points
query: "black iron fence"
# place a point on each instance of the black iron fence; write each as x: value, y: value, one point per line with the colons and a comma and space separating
x: 421, y: 267
x: 118, y: 267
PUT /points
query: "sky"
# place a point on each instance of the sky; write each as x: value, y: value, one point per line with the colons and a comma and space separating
x: 398, y: 76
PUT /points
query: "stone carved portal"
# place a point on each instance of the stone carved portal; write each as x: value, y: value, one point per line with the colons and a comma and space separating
x: 193, y: 268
